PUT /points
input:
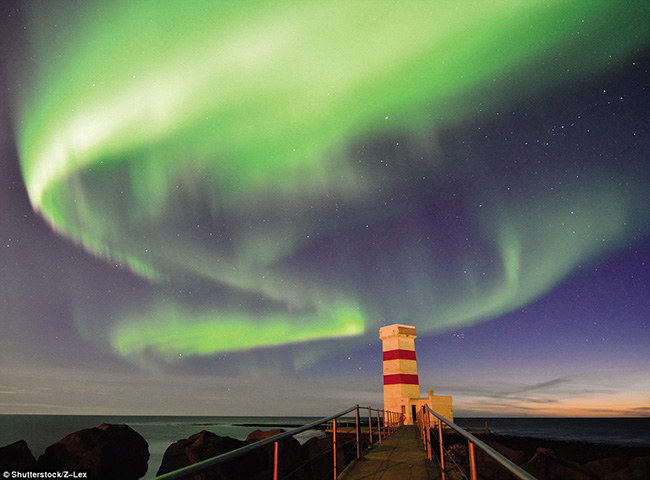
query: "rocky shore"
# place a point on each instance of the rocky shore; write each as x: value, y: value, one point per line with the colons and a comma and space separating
x: 553, y: 459
x: 117, y: 451
x: 112, y: 452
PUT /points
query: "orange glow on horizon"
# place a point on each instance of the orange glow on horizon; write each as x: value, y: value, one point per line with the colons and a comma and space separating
x: 611, y: 406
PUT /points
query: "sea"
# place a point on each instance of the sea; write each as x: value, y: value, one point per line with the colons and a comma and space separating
x: 40, y: 431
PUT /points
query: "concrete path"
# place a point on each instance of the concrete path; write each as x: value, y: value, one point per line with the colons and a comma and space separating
x: 399, y: 457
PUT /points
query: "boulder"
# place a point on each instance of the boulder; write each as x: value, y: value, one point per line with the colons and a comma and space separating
x: 204, y: 445
x: 107, y: 451
x: 539, y: 465
x: 572, y: 471
x: 606, y: 466
x: 459, y: 453
x: 319, y: 455
x: 627, y: 474
x: 635, y: 468
x: 257, y: 435
x: 492, y: 471
x: 17, y: 456
x: 640, y: 463
x: 290, y: 454
x: 515, y: 456
x: 546, y: 464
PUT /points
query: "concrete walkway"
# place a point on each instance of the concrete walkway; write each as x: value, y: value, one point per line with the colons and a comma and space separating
x: 399, y: 457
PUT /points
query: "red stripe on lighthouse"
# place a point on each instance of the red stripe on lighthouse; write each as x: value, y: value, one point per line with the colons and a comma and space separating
x: 401, y: 378
x: 399, y: 354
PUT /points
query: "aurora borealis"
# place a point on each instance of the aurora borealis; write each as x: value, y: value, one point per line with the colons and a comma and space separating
x: 254, y: 188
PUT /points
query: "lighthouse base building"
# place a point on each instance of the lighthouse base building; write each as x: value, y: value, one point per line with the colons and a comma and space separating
x: 401, y: 382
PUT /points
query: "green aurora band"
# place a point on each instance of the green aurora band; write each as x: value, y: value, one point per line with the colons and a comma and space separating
x: 210, y: 143
x: 229, y: 333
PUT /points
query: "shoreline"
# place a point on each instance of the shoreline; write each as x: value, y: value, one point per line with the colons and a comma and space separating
x: 551, y: 459
x: 522, y: 450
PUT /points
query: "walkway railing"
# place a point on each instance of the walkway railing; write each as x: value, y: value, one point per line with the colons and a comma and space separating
x: 424, y: 422
x: 385, y: 423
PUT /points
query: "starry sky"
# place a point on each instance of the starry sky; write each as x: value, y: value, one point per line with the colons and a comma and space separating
x: 211, y: 208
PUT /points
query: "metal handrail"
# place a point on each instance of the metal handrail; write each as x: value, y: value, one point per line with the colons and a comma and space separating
x: 516, y: 470
x: 210, y: 462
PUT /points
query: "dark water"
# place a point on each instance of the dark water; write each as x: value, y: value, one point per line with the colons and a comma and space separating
x: 609, y: 431
x: 41, y: 431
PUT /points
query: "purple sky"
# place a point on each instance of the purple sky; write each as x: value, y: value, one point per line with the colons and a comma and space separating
x: 526, y: 176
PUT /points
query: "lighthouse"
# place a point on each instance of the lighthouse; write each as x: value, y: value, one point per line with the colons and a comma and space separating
x: 401, y: 380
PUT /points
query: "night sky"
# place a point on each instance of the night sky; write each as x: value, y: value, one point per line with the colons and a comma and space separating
x: 212, y: 207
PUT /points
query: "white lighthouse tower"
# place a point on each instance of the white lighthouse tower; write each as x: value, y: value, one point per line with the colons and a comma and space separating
x: 401, y: 381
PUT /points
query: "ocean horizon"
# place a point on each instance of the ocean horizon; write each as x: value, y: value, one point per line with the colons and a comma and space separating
x: 40, y: 431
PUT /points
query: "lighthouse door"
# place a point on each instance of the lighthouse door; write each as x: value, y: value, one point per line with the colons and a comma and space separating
x: 413, y: 413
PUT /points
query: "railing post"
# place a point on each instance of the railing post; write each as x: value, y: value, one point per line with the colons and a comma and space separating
x: 378, y: 426
x: 275, y: 461
x: 428, y: 422
x: 422, y: 427
x: 420, y: 422
x: 472, y: 462
x: 358, y: 430
x: 386, y: 424
x: 442, y: 450
x: 370, y: 423
x: 334, y: 445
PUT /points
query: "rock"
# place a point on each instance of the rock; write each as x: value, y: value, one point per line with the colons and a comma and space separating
x: 515, y: 456
x: 318, y: 453
x: 204, y: 445
x: 257, y: 435
x: 538, y: 465
x: 107, y: 451
x: 290, y: 454
x: 606, y: 466
x: 640, y: 463
x: 492, y: 471
x: 571, y: 471
x: 627, y: 474
x: 459, y: 453
x: 635, y: 468
x: 17, y: 456
x: 546, y: 464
